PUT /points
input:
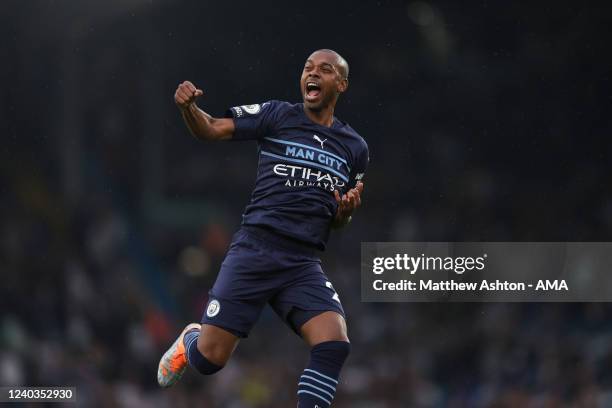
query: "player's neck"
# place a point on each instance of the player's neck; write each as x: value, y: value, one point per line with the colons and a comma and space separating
x: 323, y: 117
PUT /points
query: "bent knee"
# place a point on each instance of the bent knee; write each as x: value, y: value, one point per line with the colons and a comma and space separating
x: 342, y: 337
x: 215, y: 352
x: 328, y: 326
x: 339, y: 337
x: 216, y: 344
x: 336, y: 351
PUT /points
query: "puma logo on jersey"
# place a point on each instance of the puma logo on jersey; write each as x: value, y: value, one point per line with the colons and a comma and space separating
x: 318, y: 139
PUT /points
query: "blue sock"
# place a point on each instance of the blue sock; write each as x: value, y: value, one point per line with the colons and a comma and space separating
x: 319, y: 380
x: 195, y: 358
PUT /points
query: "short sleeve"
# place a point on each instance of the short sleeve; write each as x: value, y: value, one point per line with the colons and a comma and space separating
x: 253, y: 121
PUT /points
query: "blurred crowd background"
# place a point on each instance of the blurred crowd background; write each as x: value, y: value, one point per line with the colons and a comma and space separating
x: 487, y: 121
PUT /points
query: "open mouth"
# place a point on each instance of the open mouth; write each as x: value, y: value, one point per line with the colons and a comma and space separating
x: 313, y: 90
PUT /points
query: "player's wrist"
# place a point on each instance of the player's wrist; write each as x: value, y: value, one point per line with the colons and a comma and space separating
x: 188, y: 108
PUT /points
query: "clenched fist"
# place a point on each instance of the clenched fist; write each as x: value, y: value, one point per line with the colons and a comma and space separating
x: 186, y: 94
x: 347, y: 204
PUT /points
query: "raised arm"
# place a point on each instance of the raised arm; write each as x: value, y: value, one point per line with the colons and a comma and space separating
x: 347, y: 204
x: 201, y: 124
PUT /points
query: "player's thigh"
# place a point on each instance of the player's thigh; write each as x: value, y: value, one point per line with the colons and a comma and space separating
x: 327, y: 326
x: 310, y: 305
x: 216, y: 344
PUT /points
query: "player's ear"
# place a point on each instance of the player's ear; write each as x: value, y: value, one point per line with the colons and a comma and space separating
x: 343, y: 85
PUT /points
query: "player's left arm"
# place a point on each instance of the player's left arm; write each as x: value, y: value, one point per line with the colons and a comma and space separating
x: 351, y: 200
x: 347, y: 204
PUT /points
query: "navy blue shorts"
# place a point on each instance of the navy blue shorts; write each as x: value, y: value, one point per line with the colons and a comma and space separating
x: 263, y: 267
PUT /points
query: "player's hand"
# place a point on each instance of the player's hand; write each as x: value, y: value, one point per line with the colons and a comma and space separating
x: 347, y: 204
x: 186, y: 94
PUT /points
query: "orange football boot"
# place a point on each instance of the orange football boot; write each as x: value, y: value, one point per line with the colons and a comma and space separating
x: 174, y: 361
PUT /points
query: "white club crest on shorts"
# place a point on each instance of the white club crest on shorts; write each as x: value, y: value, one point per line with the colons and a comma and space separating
x: 252, y: 109
x: 213, y: 309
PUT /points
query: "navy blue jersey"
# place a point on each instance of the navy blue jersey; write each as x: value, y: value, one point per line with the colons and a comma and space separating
x: 301, y: 163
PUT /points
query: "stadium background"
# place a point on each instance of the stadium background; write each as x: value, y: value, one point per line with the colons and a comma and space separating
x: 485, y: 121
